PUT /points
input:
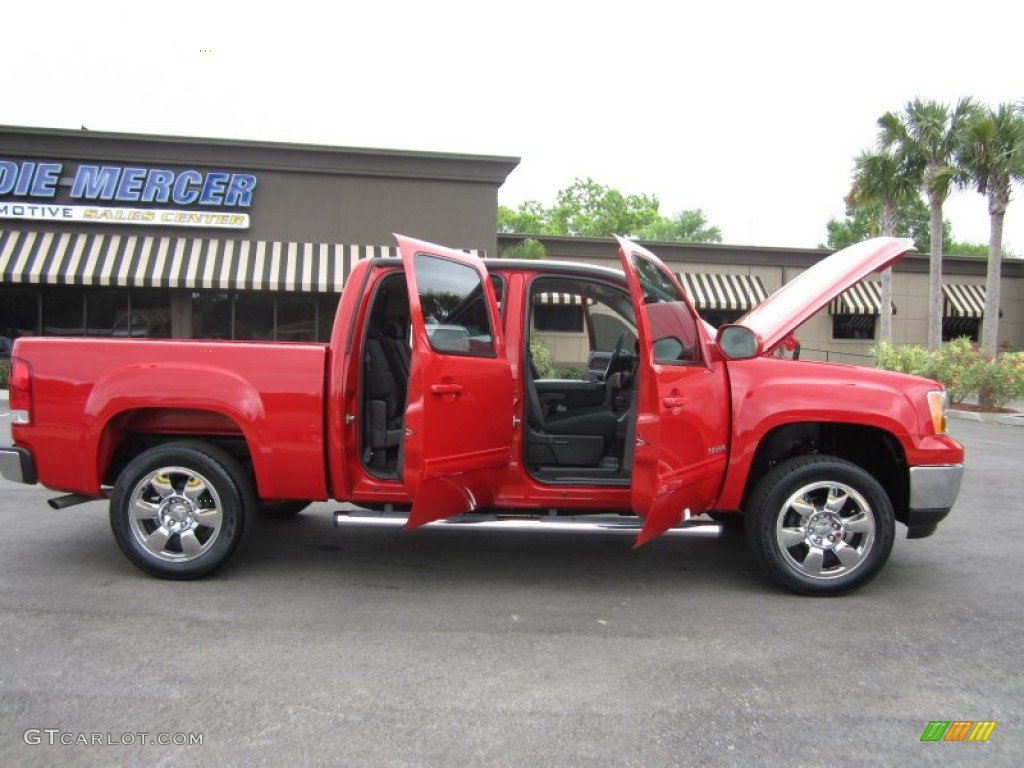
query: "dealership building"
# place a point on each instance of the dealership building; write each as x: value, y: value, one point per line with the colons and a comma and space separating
x: 105, y: 234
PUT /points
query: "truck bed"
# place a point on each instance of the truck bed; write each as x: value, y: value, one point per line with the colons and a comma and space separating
x: 92, y: 395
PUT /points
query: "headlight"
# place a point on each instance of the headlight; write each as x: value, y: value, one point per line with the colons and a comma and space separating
x: 938, y: 399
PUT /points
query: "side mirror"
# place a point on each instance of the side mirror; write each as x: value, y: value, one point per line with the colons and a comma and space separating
x: 738, y: 342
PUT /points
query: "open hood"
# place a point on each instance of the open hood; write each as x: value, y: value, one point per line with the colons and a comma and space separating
x: 790, y: 306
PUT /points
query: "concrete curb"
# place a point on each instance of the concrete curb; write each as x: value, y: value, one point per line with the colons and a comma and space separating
x: 1011, y: 419
x: 4, y: 396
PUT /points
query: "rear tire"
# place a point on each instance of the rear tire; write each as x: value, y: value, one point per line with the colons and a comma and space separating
x: 178, y: 510
x: 820, y: 525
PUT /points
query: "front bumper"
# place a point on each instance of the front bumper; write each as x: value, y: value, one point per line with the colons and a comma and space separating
x: 16, y: 464
x: 932, y: 493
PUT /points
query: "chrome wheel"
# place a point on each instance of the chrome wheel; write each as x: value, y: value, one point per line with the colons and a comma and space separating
x: 175, y: 514
x: 820, y: 525
x: 825, y: 530
x: 178, y: 509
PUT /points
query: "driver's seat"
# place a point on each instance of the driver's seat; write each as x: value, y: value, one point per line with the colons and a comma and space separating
x: 576, y: 438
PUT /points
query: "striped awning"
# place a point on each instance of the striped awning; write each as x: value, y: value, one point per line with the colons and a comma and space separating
x: 963, y: 301
x: 720, y: 291
x: 49, y: 258
x: 864, y: 298
x: 563, y: 299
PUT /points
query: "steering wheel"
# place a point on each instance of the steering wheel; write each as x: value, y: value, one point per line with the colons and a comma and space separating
x: 616, y: 354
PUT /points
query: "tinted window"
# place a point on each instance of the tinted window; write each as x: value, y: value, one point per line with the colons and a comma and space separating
x: 674, y: 336
x: 656, y: 285
x: 454, y: 307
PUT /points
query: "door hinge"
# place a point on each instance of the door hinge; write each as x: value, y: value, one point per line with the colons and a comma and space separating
x: 350, y: 418
x: 515, y: 422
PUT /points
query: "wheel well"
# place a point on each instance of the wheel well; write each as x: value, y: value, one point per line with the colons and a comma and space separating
x: 131, y: 432
x: 875, y: 450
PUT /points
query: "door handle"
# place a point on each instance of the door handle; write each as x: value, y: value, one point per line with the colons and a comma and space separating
x: 446, y: 389
x: 674, y: 402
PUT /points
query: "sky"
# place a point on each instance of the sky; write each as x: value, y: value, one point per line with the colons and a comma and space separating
x: 750, y: 111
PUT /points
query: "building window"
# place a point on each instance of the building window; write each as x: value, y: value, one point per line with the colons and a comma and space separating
x: 150, y: 313
x: 564, y: 318
x: 211, y: 315
x: 254, y: 316
x: 106, y: 312
x: 326, y: 309
x: 855, y: 327
x: 296, y: 317
x: 19, y: 311
x: 955, y: 327
x: 63, y: 311
x: 123, y: 314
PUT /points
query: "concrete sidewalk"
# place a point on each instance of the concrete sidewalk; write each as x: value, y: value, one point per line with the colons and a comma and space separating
x: 1013, y: 419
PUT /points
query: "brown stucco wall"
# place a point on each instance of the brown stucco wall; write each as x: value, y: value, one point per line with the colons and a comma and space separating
x: 776, y: 266
x: 304, y: 193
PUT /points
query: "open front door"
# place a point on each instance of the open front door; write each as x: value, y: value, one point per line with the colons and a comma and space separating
x: 682, y: 429
x: 458, y: 423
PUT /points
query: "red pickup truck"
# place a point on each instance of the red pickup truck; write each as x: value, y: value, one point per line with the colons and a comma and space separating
x: 428, y: 404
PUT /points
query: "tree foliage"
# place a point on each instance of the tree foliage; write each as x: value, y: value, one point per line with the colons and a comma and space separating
x: 881, y: 178
x: 925, y: 137
x: 992, y: 153
x: 862, y: 222
x: 524, y: 249
x: 530, y: 218
x: 685, y: 227
x: 588, y: 209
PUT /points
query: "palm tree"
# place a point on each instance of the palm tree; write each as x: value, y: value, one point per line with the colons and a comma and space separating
x: 925, y: 137
x: 993, y: 154
x: 881, y: 177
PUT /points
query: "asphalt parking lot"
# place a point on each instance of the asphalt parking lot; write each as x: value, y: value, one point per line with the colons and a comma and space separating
x: 382, y: 648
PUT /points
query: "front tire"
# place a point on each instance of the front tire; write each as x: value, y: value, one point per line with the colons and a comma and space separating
x: 178, y: 510
x: 820, y: 525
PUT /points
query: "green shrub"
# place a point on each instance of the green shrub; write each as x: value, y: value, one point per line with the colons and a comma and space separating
x: 542, y: 359
x: 1002, y: 379
x: 576, y: 374
x: 5, y: 370
x: 961, y: 368
x: 904, y: 359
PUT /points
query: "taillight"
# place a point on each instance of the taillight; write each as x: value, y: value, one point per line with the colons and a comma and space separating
x: 19, y: 383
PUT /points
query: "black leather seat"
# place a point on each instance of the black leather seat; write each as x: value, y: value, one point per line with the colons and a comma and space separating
x: 385, y: 406
x: 395, y: 342
x: 578, y: 437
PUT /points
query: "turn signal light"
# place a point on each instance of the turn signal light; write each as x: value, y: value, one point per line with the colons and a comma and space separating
x: 938, y: 400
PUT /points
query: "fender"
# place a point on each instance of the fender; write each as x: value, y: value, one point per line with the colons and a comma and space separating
x: 768, y: 393
x: 191, y: 387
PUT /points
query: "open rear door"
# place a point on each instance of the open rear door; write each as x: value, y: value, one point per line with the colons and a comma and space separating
x: 458, y: 438
x: 682, y: 428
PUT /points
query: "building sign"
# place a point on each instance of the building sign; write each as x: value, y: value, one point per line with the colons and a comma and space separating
x: 40, y: 190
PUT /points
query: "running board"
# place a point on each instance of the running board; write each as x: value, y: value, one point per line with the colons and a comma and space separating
x: 597, y: 524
